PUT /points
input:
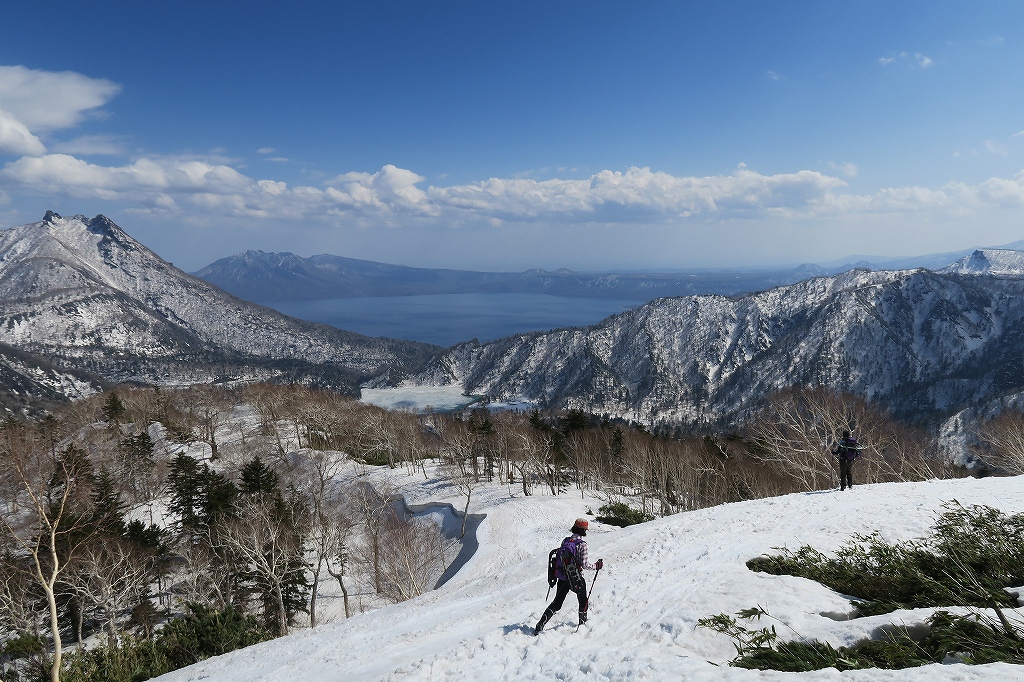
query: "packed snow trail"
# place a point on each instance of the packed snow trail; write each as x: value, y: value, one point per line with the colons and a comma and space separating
x: 659, y: 579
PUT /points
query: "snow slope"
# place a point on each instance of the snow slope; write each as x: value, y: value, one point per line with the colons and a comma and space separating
x: 659, y: 579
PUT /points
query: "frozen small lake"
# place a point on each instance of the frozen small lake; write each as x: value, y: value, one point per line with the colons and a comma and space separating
x: 447, y: 319
x: 418, y: 398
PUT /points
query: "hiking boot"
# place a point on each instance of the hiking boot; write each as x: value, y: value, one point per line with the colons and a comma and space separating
x: 543, y: 621
x: 583, y: 617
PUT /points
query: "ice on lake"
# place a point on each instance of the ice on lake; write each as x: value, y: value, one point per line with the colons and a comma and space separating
x: 419, y: 398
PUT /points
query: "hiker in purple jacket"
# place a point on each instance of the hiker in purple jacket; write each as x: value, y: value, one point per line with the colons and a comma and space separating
x: 572, y: 561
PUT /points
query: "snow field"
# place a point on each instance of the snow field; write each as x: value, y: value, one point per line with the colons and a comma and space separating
x: 659, y: 579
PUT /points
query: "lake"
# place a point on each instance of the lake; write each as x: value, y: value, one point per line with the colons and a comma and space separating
x: 447, y: 319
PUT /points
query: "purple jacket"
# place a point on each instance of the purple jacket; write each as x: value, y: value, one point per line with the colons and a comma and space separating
x: 578, y: 546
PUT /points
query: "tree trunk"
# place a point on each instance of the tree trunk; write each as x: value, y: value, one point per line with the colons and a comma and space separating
x: 312, y: 596
x: 465, y: 514
x: 340, y: 577
x: 282, y: 615
x: 51, y: 602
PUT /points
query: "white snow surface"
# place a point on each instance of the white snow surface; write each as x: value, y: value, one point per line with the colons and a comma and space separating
x: 659, y: 578
x: 418, y: 398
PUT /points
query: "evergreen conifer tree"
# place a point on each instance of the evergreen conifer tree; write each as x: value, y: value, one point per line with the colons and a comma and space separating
x: 107, y: 505
x: 113, y: 408
x: 258, y: 478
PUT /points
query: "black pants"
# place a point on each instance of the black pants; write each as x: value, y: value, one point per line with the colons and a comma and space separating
x: 845, y: 473
x: 563, y: 589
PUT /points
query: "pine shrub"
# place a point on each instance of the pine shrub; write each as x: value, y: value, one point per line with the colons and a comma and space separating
x: 973, y: 553
x: 621, y: 514
x: 202, y: 633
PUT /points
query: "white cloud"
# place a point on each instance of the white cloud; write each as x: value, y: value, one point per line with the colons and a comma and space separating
x: 394, y: 196
x: 265, y: 150
x: 15, y: 137
x: 847, y: 169
x: 47, y: 100
x: 775, y: 76
x: 103, y: 145
x: 994, y: 148
x: 919, y: 60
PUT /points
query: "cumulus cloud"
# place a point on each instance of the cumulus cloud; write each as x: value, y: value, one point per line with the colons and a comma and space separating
x: 15, y: 137
x: 47, y: 100
x: 394, y: 196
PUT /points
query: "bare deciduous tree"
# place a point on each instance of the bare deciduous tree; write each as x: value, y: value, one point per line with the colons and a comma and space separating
x: 53, y: 486
x: 1004, y: 436
x: 413, y: 560
x: 266, y: 541
x: 111, y: 575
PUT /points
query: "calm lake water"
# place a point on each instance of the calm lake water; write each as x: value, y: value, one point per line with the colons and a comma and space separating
x: 447, y: 319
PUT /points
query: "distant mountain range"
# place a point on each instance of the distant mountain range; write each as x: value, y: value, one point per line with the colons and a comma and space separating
x: 100, y: 307
x: 83, y: 305
x: 925, y: 344
x: 268, y: 277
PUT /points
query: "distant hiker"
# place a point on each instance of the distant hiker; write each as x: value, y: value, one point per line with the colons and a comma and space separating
x: 847, y: 450
x: 565, y: 567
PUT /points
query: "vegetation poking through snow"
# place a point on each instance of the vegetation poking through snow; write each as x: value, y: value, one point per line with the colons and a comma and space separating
x: 973, y: 555
x: 973, y: 638
x: 621, y: 514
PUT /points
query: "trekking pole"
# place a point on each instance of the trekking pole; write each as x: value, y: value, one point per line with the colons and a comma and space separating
x: 592, y: 583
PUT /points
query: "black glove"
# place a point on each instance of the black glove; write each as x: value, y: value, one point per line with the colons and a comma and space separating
x: 600, y: 564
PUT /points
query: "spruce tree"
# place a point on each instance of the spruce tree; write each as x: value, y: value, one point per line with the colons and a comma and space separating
x: 113, y: 408
x: 107, y: 505
x: 218, y: 496
x: 258, y: 478
x: 185, y: 482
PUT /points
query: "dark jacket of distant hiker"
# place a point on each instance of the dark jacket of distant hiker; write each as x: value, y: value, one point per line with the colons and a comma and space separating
x: 847, y: 450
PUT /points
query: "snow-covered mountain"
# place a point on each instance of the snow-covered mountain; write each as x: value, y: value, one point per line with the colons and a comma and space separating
x: 659, y: 579
x: 921, y: 342
x: 989, y: 262
x: 29, y: 383
x: 85, y: 293
x: 262, y: 276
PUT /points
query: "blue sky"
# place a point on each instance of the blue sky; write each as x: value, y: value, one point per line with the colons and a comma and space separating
x: 537, y: 134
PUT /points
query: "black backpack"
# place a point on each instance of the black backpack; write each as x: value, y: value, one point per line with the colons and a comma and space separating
x: 564, y: 557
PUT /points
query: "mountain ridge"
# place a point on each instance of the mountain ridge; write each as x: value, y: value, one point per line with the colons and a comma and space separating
x: 84, y: 292
x: 922, y: 343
